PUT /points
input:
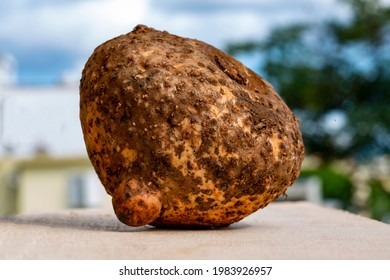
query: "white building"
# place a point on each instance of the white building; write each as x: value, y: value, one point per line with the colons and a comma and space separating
x: 40, y: 118
x: 7, y: 69
x: 43, y: 161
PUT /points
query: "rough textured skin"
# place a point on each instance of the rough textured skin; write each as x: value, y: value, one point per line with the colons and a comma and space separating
x: 182, y: 134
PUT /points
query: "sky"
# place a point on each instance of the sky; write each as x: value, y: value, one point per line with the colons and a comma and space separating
x: 49, y: 42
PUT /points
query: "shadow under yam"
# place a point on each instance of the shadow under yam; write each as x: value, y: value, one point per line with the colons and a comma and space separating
x: 98, y: 222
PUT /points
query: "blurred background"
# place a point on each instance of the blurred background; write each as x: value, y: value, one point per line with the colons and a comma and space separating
x: 328, y: 59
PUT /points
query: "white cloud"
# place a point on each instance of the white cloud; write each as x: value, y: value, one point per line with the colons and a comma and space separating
x: 220, y: 21
x: 72, y: 75
x: 69, y: 25
x: 79, y: 26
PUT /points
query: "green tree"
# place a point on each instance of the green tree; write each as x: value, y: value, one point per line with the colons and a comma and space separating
x: 335, y: 75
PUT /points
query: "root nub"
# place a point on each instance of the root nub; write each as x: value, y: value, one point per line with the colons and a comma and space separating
x: 135, y: 204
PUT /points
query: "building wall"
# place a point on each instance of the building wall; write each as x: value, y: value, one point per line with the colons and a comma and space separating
x: 7, y: 193
x: 44, y: 184
x: 42, y: 190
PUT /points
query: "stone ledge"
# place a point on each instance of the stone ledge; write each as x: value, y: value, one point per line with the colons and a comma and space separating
x: 283, y: 230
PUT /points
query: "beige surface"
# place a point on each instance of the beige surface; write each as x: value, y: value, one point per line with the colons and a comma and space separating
x: 283, y: 230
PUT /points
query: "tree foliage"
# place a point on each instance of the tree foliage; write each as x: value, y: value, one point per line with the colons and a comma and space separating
x: 335, y: 75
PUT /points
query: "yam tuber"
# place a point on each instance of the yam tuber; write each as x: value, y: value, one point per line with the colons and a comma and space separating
x: 182, y: 134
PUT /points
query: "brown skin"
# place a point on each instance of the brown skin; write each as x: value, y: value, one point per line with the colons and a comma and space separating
x: 182, y: 134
